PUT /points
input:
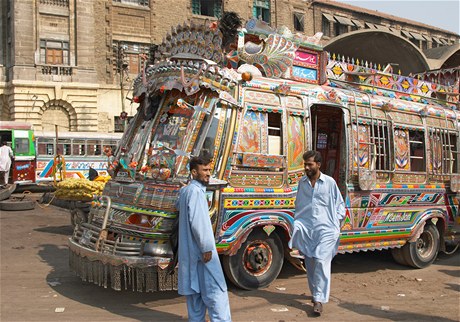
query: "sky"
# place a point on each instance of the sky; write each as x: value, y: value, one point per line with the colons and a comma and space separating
x: 444, y: 14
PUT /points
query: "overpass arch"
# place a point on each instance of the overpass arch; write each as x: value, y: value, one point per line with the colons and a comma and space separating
x: 380, y: 47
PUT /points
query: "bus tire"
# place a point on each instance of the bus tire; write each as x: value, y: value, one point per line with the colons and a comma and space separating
x: 17, y: 205
x: 77, y: 217
x: 257, y: 263
x: 398, y: 256
x: 424, y: 250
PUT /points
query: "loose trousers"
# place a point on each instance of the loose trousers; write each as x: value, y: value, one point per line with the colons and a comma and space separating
x: 319, y: 278
x: 211, y: 297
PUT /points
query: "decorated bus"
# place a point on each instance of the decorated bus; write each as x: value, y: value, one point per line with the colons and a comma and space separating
x: 256, y: 104
x: 78, y: 151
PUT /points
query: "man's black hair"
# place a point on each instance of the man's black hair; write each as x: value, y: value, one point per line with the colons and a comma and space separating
x: 203, y: 159
x: 312, y: 153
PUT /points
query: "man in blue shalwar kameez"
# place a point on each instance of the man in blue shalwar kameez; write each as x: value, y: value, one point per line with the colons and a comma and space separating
x: 319, y: 211
x: 201, y: 278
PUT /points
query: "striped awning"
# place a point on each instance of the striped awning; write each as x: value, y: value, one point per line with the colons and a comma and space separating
x: 428, y: 38
x: 329, y: 17
x: 263, y: 108
x: 443, y: 41
x: 417, y: 36
x: 370, y: 25
x: 344, y: 21
x: 383, y: 28
x: 407, y: 34
x: 357, y: 23
x: 436, y: 40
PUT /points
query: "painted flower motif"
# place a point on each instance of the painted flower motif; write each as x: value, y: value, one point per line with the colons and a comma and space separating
x: 132, y: 164
x: 123, y: 115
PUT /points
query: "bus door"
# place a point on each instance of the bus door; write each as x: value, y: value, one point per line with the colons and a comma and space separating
x: 329, y: 139
x: 21, y: 142
x: 23, y: 168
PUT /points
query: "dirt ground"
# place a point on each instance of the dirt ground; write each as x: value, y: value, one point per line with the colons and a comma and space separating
x: 37, y: 285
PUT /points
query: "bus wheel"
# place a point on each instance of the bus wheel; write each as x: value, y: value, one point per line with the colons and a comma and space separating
x: 77, y: 217
x: 424, y: 250
x: 17, y: 205
x: 398, y: 256
x: 257, y: 263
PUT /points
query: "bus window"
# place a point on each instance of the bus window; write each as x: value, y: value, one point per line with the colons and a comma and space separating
x: 417, y: 151
x: 49, y: 148
x: 78, y: 147
x: 91, y: 147
x: 65, y: 147
x: 275, y: 145
x: 380, y: 137
x: 21, y: 142
x: 454, y: 166
x: 21, y: 145
x: 296, y: 142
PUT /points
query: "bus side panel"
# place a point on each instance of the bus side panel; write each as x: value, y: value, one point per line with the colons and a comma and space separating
x: 23, y: 171
x: 386, y: 219
x: 241, y: 213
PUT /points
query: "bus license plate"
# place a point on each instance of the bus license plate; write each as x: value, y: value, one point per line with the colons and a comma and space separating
x: 85, y: 237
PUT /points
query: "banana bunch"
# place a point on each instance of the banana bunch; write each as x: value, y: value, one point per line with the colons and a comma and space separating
x: 103, y: 178
x: 78, y: 189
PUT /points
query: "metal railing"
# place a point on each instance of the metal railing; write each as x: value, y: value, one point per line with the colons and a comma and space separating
x: 56, y: 70
x: 60, y: 3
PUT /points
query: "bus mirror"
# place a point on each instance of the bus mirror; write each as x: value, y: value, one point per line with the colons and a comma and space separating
x: 367, y: 179
x: 455, y: 182
x: 216, y: 184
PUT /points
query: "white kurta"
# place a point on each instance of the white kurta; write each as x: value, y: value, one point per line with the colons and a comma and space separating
x: 5, y: 158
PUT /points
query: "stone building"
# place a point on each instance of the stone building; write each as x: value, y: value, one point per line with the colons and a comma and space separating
x: 71, y: 62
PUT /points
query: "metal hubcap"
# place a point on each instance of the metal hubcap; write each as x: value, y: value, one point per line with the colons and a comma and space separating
x: 425, y: 244
x: 258, y: 258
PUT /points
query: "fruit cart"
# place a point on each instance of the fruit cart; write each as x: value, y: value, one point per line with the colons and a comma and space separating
x: 78, y: 193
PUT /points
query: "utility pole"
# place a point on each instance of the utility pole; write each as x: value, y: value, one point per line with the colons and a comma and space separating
x: 122, y: 69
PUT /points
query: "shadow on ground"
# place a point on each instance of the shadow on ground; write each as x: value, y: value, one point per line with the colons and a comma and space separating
x: 129, y: 304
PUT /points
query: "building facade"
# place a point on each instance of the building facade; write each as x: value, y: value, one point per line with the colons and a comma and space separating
x: 71, y: 62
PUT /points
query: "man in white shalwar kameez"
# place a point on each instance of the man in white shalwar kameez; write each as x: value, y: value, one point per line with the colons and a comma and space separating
x: 319, y: 211
x: 201, y: 278
x: 5, y: 163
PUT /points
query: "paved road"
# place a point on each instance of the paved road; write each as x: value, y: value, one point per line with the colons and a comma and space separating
x: 36, y: 284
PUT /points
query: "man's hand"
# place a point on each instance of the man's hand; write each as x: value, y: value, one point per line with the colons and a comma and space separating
x: 207, y: 257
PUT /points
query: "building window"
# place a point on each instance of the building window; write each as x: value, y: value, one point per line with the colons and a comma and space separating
x: 144, y: 3
x: 326, y: 27
x: 54, y: 52
x: 129, y: 55
x: 261, y: 8
x: 415, y: 42
x: 210, y: 8
x: 299, y: 21
x: 340, y: 29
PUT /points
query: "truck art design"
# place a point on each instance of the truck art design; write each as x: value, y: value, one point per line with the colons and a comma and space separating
x: 391, y: 142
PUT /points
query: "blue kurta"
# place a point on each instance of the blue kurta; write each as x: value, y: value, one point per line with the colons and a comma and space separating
x: 319, y: 211
x: 196, y: 238
x: 318, y: 215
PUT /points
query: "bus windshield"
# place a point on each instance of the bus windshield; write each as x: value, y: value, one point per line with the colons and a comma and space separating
x: 174, y: 133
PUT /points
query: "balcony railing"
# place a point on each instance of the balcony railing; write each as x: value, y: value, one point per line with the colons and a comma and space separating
x: 60, y: 3
x: 56, y: 70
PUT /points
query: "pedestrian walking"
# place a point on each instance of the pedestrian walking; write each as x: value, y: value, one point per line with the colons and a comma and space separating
x: 6, y: 154
x: 319, y: 211
x: 201, y: 278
